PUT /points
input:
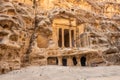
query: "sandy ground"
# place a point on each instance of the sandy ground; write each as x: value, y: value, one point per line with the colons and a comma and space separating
x: 64, y: 73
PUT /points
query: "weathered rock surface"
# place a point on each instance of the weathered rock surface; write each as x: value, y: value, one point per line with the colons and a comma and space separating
x: 34, y: 34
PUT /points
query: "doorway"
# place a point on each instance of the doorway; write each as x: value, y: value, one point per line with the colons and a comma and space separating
x: 60, y: 38
x: 83, y: 61
x: 73, y: 40
x: 3, y: 71
x: 64, y: 61
x: 66, y: 38
x: 74, y: 61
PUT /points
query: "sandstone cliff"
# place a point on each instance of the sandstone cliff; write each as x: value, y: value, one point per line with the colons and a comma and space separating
x: 26, y: 32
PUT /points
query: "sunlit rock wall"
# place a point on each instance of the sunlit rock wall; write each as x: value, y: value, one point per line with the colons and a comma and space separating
x: 15, y: 24
x: 29, y: 34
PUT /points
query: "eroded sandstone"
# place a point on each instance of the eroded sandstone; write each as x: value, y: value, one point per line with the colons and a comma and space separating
x: 69, y: 33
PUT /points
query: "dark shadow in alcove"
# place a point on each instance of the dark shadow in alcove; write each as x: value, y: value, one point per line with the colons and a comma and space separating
x: 74, y: 61
x: 83, y: 61
x: 64, y: 61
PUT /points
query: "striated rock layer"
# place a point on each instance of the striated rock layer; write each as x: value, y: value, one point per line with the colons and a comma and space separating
x: 59, y: 32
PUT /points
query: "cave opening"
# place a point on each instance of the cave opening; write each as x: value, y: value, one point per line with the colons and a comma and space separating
x: 74, y: 61
x: 83, y: 61
x: 64, y: 61
x: 3, y: 71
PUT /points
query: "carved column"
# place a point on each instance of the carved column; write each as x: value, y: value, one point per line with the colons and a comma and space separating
x: 78, y: 60
x: 62, y: 37
x: 87, y: 60
x: 80, y: 42
x: 88, y: 38
x: 70, y: 38
x: 85, y: 39
x: 69, y: 61
x: 60, y: 61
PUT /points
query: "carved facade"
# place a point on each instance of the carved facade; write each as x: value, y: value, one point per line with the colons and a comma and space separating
x: 59, y: 32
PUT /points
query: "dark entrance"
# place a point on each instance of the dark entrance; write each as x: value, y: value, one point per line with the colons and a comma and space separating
x: 73, y: 40
x: 56, y: 61
x: 74, y: 61
x: 60, y: 38
x: 66, y: 38
x: 64, y: 61
x: 3, y: 71
x: 83, y: 61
